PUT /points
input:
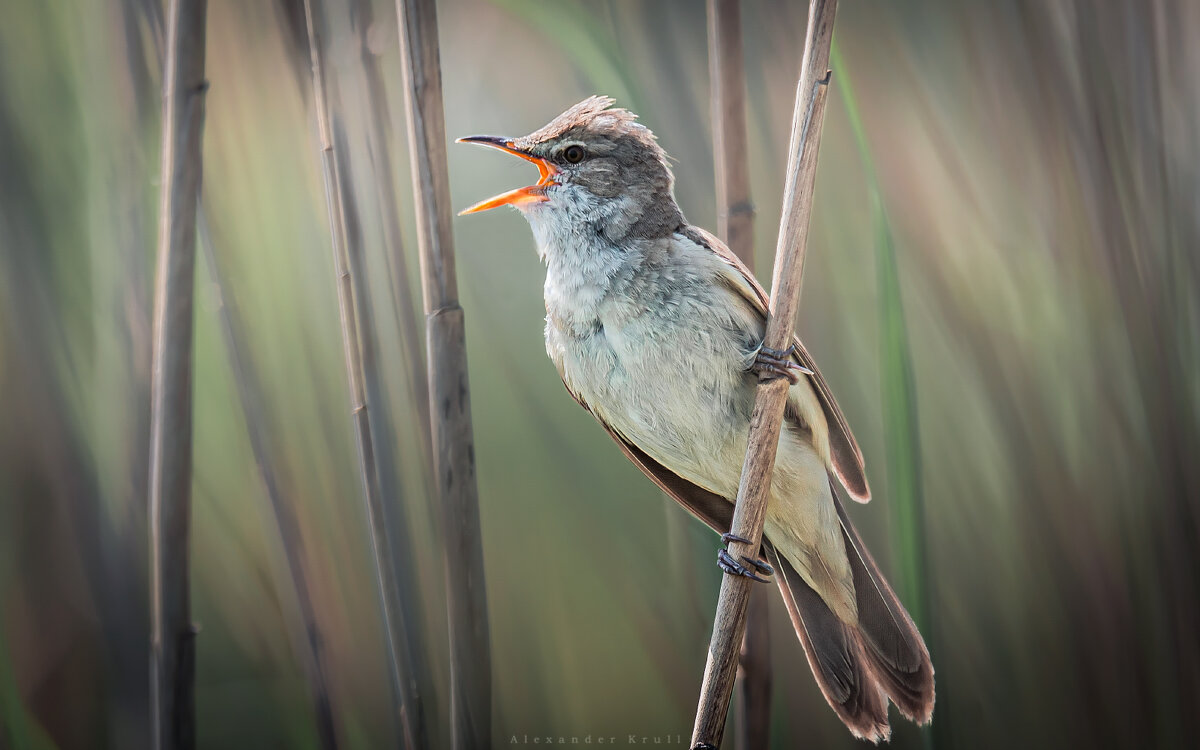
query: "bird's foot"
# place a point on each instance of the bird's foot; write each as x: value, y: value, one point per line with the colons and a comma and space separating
x: 775, y: 363
x: 727, y: 563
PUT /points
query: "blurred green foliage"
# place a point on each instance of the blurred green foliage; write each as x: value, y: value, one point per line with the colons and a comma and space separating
x: 1021, y: 179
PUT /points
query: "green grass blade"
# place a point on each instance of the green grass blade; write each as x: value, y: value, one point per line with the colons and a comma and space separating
x: 902, y: 435
x: 898, y: 386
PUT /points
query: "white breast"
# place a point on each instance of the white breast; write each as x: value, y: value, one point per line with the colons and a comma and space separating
x: 657, y: 349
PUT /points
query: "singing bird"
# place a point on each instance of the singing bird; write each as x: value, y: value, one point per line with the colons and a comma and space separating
x: 656, y: 329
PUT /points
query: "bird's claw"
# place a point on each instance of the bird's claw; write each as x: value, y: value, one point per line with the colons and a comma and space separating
x: 727, y: 563
x: 775, y: 363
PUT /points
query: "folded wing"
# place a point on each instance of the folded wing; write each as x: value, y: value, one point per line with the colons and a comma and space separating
x: 845, y: 455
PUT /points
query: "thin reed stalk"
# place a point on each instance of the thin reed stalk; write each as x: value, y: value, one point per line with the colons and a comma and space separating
x: 449, y: 395
x: 735, y: 227
x: 731, y: 163
x: 250, y: 390
x: 173, y: 656
x: 378, y: 127
x: 404, y: 308
x: 309, y: 650
x: 767, y: 417
x: 396, y: 636
x: 399, y: 546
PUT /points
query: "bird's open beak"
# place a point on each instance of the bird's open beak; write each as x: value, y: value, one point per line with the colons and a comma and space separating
x: 521, y: 196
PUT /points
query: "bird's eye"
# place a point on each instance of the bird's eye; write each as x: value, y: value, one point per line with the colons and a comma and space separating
x: 574, y: 154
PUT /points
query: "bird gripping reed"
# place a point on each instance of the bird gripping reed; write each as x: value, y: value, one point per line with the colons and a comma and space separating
x: 735, y: 227
x: 750, y: 510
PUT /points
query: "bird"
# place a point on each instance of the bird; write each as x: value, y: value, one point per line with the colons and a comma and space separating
x: 656, y: 329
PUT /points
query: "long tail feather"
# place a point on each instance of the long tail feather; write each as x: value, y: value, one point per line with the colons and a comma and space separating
x: 835, y: 655
x: 896, y: 653
x: 859, y: 667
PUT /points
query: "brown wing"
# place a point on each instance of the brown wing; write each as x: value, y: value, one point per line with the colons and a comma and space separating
x: 847, y: 457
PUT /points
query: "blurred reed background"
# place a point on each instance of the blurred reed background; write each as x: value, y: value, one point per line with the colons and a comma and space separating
x: 1001, y: 289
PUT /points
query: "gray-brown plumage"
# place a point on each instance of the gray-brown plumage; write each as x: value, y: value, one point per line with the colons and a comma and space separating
x: 655, y: 327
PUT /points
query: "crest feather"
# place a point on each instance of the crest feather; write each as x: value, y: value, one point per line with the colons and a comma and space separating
x: 597, y: 114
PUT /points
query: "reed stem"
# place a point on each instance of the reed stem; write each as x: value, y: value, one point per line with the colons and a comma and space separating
x: 731, y: 158
x: 398, y: 647
x: 250, y: 393
x: 172, y: 674
x: 449, y: 393
x: 403, y: 304
x: 735, y: 227
x: 767, y: 417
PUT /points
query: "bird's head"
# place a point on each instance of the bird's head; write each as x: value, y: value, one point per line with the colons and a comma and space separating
x: 598, y: 166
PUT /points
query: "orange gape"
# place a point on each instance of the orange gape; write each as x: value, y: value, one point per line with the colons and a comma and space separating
x: 530, y: 194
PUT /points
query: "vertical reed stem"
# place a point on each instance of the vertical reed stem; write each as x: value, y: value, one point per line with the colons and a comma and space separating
x: 397, y: 263
x: 767, y: 417
x: 735, y: 227
x: 727, y: 75
x: 399, y: 659
x: 398, y: 550
x: 172, y: 673
x: 309, y: 649
x: 449, y: 399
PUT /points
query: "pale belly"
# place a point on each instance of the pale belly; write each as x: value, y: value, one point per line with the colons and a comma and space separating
x: 684, y: 396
